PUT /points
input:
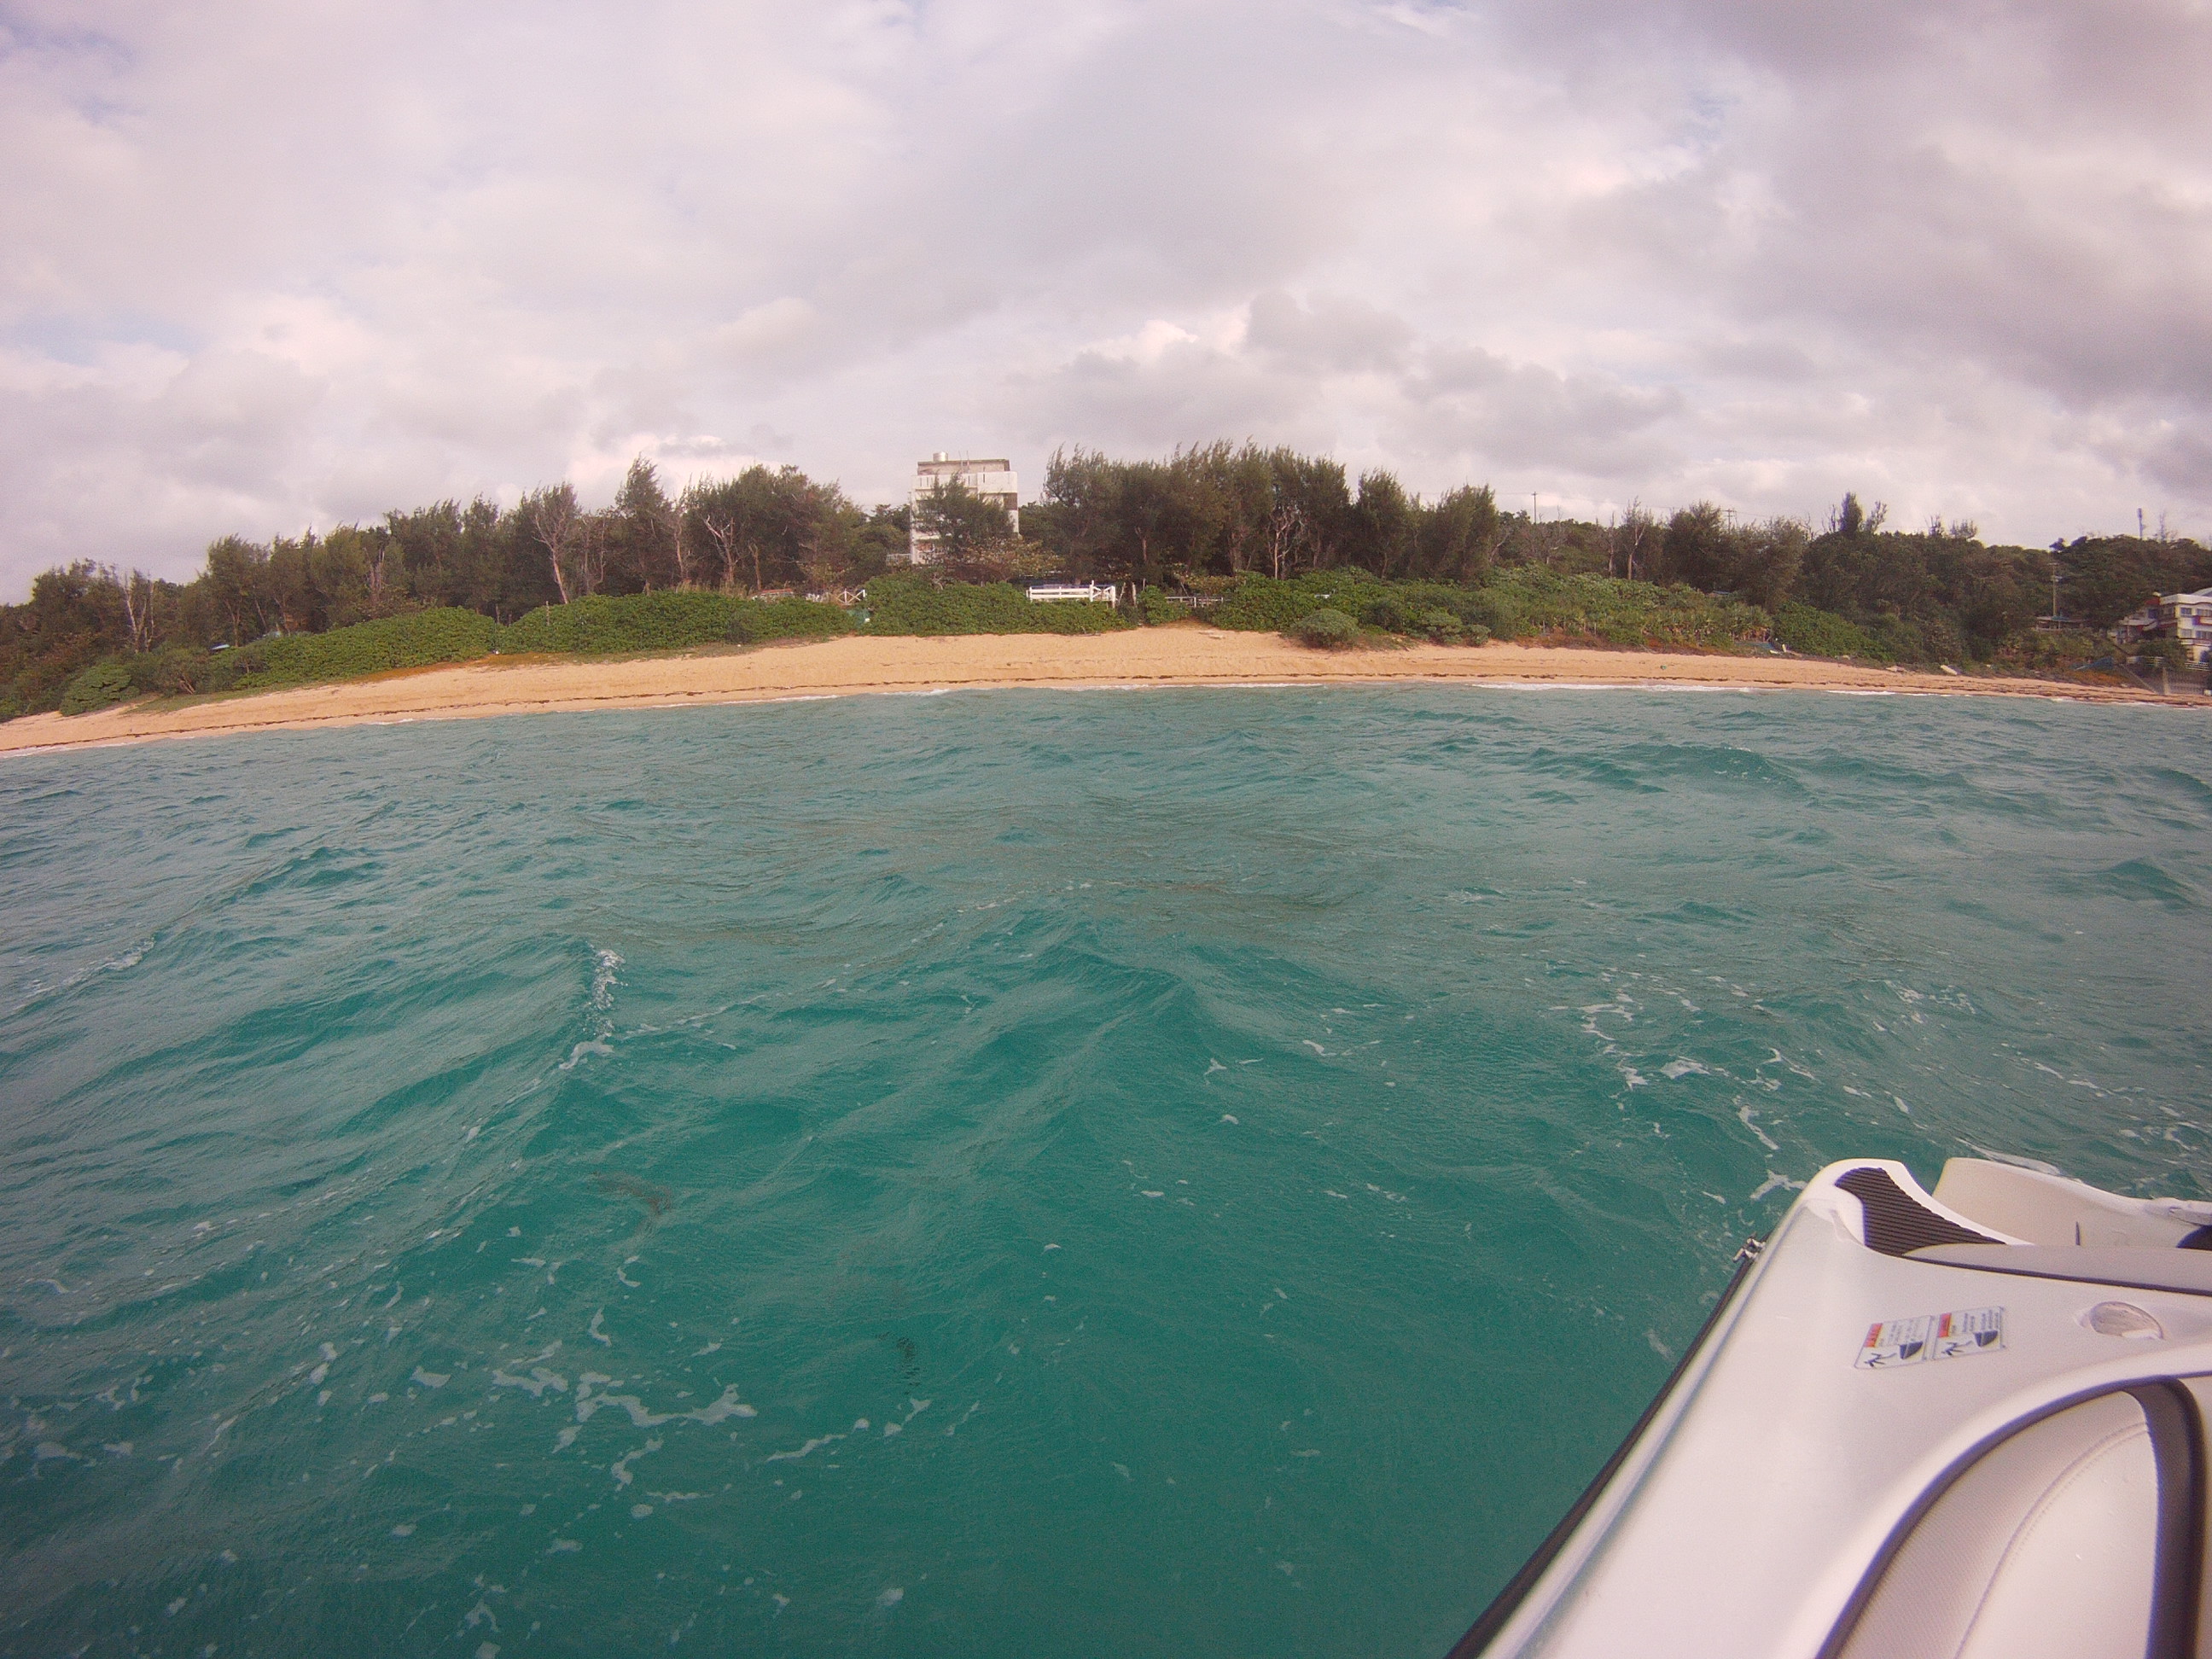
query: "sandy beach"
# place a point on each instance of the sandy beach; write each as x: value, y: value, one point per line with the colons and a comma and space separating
x: 1174, y: 656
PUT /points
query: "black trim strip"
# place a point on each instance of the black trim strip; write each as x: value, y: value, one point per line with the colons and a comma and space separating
x: 2177, y: 1440
x: 2189, y: 1490
x: 1508, y: 1600
x: 2120, y: 1267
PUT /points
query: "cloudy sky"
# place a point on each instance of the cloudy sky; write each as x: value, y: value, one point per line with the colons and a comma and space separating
x: 269, y: 266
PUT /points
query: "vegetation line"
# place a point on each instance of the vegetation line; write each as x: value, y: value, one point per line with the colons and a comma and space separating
x: 1246, y: 538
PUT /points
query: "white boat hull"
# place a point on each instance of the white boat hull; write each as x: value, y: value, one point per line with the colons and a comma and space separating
x: 1902, y: 1433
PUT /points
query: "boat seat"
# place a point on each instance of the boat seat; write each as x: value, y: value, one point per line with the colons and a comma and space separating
x: 2045, y: 1548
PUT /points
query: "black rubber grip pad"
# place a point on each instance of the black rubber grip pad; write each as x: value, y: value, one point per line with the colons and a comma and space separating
x: 1896, y: 1222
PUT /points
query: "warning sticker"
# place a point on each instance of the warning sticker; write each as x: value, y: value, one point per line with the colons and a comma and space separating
x: 1969, y: 1330
x: 1896, y: 1342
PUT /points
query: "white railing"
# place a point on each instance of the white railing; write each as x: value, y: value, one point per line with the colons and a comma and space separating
x: 1101, y: 592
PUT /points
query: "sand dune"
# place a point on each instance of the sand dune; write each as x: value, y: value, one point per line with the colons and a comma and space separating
x: 1182, y: 655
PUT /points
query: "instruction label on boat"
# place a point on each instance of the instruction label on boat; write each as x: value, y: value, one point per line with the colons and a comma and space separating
x: 1895, y: 1342
x: 1969, y: 1330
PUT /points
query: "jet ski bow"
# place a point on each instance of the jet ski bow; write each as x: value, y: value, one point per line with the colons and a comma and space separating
x: 1968, y: 1423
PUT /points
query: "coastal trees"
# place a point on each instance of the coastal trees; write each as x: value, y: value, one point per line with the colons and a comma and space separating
x: 770, y: 528
x: 2106, y: 577
x: 1204, y: 519
x: 1757, y: 561
x: 1219, y: 510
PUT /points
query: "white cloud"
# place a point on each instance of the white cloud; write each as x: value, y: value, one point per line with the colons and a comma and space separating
x: 269, y: 266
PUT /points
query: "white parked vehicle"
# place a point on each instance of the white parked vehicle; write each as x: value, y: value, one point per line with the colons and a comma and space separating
x: 1968, y: 1423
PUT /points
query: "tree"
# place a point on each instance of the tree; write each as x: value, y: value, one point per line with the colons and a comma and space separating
x: 236, y: 574
x: 136, y: 594
x: 965, y: 529
x: 553, y: 518
x: 780, y: 527
x: 1850, y: 519
x: 1312, y: 510
x: 1383, y: 525
x: 1695, y: 548
x: 1632, y: 540
x: 652, y: 546
x: 597, y: 538
x: 1764, y: 558
x: 1456, y: 539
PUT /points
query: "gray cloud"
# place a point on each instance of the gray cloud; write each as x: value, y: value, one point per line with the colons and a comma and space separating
x: 270, y: 266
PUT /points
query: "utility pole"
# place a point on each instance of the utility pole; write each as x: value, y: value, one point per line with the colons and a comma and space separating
x: 2139, y: 524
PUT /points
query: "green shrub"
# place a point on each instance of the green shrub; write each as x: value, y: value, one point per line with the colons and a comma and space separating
x: 675, y: 621
x: 1262, y: 605
x: 1446, y: 628
x: 756, y: 621
x: 178, y: 671
x: 1330, y: 629
x: 913, y: 604
x: 106, y: 681
x: 414, y: 641
x: 1532, y: 601
x: 1823, y: 634
x: 1155, y: 607
x: 1497, y: 613
x: 1514, y: 603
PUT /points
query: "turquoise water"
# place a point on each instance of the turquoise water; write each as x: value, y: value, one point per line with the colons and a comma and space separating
x: 1019, y: 1173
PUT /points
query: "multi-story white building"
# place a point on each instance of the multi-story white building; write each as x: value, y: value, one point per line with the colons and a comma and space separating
x: 993, y: 480
x: 2184, y: 617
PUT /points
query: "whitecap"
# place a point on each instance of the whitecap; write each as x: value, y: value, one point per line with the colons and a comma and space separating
x: 620, y: 1467
x: 604, y: 978
x: 728, y: 1405
x: 812, y: 1445
x: 1749, y: 1119
x: 537, y: 1382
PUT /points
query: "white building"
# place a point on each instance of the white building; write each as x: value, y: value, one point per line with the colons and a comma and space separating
x: 993, y: 480
x: 2184, y: 617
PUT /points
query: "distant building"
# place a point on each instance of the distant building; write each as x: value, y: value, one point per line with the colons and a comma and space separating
x: 2184, y: 617
x: 993, y: 480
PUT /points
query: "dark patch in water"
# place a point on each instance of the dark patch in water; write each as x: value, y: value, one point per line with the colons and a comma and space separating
x: 655, y: 1199
x: 909, y: 1357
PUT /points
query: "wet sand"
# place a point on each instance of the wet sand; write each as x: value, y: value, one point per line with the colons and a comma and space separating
x: 1182, y: 655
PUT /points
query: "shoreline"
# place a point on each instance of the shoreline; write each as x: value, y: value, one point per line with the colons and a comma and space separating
x: 1178, y: 656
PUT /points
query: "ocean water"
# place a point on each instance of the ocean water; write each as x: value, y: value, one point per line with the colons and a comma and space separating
x: 1010, y: 1174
